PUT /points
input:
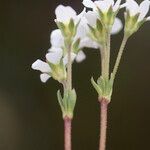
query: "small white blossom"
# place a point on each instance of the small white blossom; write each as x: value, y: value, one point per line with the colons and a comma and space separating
x: 53, y: 57
x: 92, y: 17
x: 135, y: 9
x: 103, y: 5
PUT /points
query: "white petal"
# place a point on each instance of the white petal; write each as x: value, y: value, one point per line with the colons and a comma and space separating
x: 87, y: 42
x: 117, y: 26
x: 143, y: 10
x: 64, y: 13
x: 82, y: 29
x: 148, y: 18
x: 56, y: 38
x: 54, y: 49
x: 117, y: 5
x: 65, y: 59
x: 104, y: 5
x: 44, y: 77
x: 88, y: 4
x: 91, y: 17
x: 80, y: 57
x: 54, y: 57
x: 132, y: 7
x: 41, y: 66
x: 79, y: 17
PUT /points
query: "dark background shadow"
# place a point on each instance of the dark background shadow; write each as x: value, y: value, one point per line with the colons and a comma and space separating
x: 30, y: 117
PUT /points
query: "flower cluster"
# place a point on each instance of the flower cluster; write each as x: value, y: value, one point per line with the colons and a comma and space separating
x: 91, y: 28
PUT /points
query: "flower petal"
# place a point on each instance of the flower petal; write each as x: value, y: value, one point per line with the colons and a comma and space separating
x: 117, y: 26
x: 89, y: 43
x: 88, y: 4
x: 143, y: 9
x: 148, y: 18
x: 44, y: 77
x: 80, y: 57
x: 91, y: 18
x: 117, y: 5
x: 65, y: 59
x: 104, y: 5
x: 132, y: 7
x: 56, y: 38
x: 64, y: 13
x: 41, y: 66
x: 54, y: 57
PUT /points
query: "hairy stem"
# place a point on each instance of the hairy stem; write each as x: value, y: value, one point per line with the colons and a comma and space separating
x: 103, y: 123
x: 124, y: 41
x: 67, y: 133
x: 69, y: 70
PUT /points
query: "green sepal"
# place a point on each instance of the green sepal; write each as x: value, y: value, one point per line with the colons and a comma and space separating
x: 58, y: 71
x: 67, y: 103
x: 71, y: 27
x: 62, y: 27
x: 92, y: 31
x: 75, y: 46
x: 132, y: 24
x: 99, y: 25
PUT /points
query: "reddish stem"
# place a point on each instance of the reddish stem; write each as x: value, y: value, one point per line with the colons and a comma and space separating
x: 67, y: 133
x: 103, y: 123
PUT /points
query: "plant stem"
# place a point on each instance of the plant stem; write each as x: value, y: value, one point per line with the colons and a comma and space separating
x: 124, y: 41
x: 103, y: 123
x: 67, y: 133
x: 69, y: 70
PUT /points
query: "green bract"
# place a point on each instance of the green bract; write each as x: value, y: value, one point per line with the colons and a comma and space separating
x: 67, y: 102
x: 104, y: 87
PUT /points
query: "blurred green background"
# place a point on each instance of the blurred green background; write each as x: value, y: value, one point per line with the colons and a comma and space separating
x: 30, y: 117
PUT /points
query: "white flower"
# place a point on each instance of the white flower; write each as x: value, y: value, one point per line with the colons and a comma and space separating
x: 53, y: 57
x: 65, y: 13
x: 92, y: 17
x: 103, y: 5
x: 134, y: 8
x: 44, y: 68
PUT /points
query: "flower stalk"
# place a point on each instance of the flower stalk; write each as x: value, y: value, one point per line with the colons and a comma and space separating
x: 67, y: 133
x: 124, y: 41
x: 103, y: 123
